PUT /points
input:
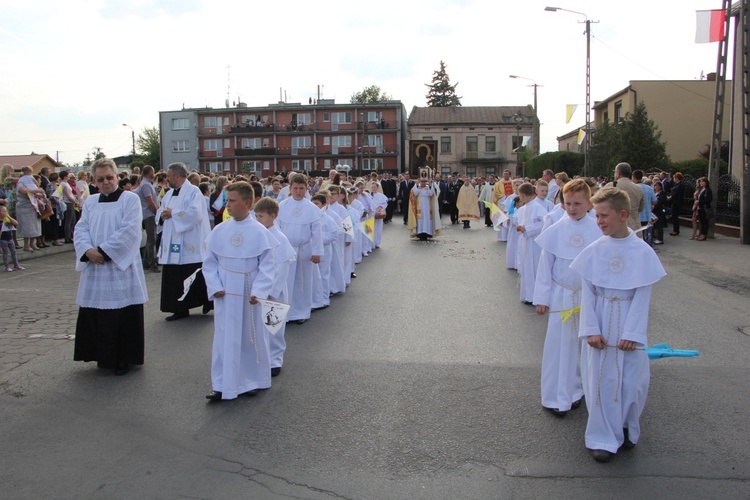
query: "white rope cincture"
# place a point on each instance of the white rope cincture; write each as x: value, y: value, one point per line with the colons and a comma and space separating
x: 618, y: 301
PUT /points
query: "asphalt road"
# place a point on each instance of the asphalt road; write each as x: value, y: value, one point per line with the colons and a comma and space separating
x: 421, y: 382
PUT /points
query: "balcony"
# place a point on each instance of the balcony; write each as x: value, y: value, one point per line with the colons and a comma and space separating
x: 482, y: 156
x: 248, y: 129
x: 255, y: 151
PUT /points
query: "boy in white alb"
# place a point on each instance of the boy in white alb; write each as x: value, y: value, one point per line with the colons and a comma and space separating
x: 557, y: 291
x: 284, y: 256
x: 618, y: 271
x: 322, y: 274
x: 299, y: 220
x: 239, y: 269
x: 530, y: 218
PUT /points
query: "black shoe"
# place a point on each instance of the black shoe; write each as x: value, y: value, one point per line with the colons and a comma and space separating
x: 627, y: 444
x: 122, y: 368
x: 576, y: 404
x: 208, y: 307
x: 602, y: 455
x: 177, y: 316
x: 251, y: 394
x: 318, y: 308
x: 354, y: 275
x: 214, y: 396
x: 275, y: 371
x: 528, y: 303
x: 556, y: 412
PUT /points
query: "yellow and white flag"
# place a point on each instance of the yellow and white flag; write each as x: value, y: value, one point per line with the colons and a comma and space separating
x: 581, y: 136
x: 569, y: 110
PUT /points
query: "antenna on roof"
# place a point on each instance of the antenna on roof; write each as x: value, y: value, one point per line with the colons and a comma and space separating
x: 228, y: 86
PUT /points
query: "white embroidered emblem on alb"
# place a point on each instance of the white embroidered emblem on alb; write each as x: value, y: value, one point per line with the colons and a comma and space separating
x: 616, y: 265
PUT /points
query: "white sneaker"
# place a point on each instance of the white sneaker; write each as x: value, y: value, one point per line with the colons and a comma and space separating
x: 658, y: 242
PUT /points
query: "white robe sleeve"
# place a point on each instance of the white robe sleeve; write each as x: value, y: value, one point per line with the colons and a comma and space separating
x: 263, y: 281
x: 82, y: 235
x: 189, y: 216
x: 210, y: 272
x: 543, y: 283
x: 316, y: 232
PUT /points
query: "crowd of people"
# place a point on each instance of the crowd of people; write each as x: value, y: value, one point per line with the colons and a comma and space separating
x: 229, y: 243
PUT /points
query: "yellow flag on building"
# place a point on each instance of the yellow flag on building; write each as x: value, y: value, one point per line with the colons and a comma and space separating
x: 581, y: 136
x: 569, y: 110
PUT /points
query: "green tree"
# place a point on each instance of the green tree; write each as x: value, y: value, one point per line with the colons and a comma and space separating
x: 637, y: 140
x: 98, y: 153
x: 442, y: 94
x: 371, y: 94
x: 149, y: 148
x: 569, y: 162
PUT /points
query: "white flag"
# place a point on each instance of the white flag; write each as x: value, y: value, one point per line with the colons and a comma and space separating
x: 188, y: 283
x: 274, y: 314
x: 347, y: 226
x: 526, y: 140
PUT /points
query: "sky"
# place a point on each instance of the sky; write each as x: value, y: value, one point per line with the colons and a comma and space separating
x: 72, y: 72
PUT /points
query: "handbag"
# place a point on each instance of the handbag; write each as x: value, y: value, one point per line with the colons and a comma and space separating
x: 47, y: 212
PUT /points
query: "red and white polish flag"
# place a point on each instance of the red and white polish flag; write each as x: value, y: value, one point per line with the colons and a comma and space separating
x: 709, y: 26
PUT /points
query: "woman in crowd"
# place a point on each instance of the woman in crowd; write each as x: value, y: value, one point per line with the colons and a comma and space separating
x: 217, y: 194
x: 705, y: 197
x: 29, y: 225
x: 661, y: 213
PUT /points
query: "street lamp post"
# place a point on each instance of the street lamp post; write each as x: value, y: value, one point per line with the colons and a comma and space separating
x: 536, y: 112
x: 587, y: 138
x: 133, y: 135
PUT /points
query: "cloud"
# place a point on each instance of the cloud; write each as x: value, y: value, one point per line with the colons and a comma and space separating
x: 149, y: 9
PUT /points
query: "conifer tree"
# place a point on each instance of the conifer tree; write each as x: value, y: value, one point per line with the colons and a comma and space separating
x: 442, y: 93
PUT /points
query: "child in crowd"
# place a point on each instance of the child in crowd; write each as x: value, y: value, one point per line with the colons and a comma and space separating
x: 530, y: 219
x: 542, y: 188
x: 9, y: 225
x: 338, y: 213
x: 266, y: 211
x: 557, y: 291
x: 322, y: 273
x: 618, y: 271
x: 239, y: 269
x: 300, y: 221
x: 511, y: 248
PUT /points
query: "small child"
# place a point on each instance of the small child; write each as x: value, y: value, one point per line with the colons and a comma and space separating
x: 542, y: 188
x: 511, y: 248
x: 239, y: 269
x: 618, y: 271
x: 266, y: 211
x: 6, y: 240
x: 558, y: 289
x: 530, y: 219
x: 322, y: 273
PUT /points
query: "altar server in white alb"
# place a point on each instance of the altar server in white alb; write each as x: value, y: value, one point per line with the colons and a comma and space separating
x: 239, y: 270
x: 322, y: 272
x: 184, y: 219
x: 112, y: 288
x: 284, y: 256
x: 530, y: 218
x: 339, y: 214
x: 557, y: 291
x: 379, y: 205
x: 299, y: 220
x: 618, y: 272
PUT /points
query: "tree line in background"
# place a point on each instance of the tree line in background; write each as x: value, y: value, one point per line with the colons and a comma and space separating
x: 148, y: 151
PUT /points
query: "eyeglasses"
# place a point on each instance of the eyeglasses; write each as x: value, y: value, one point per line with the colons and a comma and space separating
x: 108, y: 178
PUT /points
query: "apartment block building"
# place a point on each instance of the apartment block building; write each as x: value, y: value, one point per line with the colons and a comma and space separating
x: 475, y: 140
x: 287, y: 137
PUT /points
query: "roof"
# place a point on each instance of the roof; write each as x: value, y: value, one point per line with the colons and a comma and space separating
x: 470, y: 115
x: 18, y: 161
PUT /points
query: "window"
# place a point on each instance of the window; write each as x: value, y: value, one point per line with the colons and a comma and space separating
x: 266, y: 142
x: 427, y: 138
x: 301, y: 118
x: 301, y: 142
x: 227, y: 143
x: 342, y: 141
x: 251, y: 167
x: 212, y: 145
x: 471, y: 171
x: 251, y: 143
x: 489, y: 144
x: 327, y: 164
x: 517, y: 141
x: 489, y: 171
x: 326, y: 117
x: 180, y: 146
x: 180, y: 123
x: 373, y: 116
x: 472, y: 146
x: 326, y: 141
x: 342, y: 117
x: 372, y: 164
x: 301, y: 165
x: 618, y: 112
x: 372, y: 140
x: 445, y: 144
x: 213, y: 166
x: 211, y: 122
x: 446, y: 171
x: 606, y: 116
x: 348, y: 162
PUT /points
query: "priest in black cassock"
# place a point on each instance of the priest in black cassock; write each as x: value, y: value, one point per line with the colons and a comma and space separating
x: 112, y: 288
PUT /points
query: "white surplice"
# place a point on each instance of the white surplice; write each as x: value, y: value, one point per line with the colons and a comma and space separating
x: 322, y: 272
x: 239, y: 261
x: 618, y: 274
x: 184, y: 234
x: 338, y: 277
x: 379, y: 204
x: 284, y: 258
x: 531, y: 217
